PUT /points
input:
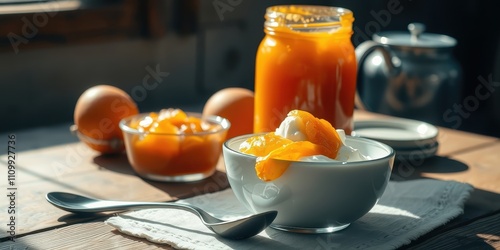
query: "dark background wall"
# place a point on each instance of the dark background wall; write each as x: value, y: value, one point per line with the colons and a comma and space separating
x: 203, y: 50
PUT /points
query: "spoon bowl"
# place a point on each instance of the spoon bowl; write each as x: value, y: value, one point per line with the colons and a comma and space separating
x: 241, y: 228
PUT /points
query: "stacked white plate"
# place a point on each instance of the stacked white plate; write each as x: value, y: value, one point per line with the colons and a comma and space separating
x: 410, y: 139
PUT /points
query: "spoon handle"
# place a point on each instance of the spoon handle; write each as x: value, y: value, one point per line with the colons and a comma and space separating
x: 108, y: 205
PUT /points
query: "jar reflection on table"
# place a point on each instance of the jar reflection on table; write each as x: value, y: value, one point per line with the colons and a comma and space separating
x: 306, y: 61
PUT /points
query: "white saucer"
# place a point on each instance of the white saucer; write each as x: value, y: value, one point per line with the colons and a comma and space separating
x: 401, y: 134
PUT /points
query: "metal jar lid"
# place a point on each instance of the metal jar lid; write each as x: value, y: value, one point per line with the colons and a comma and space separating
x: 415, y: 38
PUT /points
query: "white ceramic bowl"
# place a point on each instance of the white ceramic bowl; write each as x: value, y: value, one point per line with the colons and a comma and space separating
x: 312, y: 197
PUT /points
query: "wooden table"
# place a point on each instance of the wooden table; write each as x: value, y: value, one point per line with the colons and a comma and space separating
x: 72, y: 167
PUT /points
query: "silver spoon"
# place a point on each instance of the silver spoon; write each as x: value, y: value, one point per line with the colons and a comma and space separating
x: 236, y: 229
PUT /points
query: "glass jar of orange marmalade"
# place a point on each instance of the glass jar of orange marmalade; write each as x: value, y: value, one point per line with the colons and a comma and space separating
x: 305, y: 61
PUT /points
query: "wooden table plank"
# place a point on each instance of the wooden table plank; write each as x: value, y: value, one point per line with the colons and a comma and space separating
x: 90, y: 235
x: 455, y: 141
x: 479, y: 167
x: 73, y: 168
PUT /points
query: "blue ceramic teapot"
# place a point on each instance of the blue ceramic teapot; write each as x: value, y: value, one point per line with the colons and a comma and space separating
x: 408, y: 74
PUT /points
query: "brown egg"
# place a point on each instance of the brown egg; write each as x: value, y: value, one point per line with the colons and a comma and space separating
x: 234, y: 104
x: 98, y: 112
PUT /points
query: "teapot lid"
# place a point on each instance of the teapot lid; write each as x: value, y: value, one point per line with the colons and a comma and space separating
x: 416, y: 38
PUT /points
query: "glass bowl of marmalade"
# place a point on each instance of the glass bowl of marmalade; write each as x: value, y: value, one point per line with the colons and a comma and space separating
x: 174, y: 146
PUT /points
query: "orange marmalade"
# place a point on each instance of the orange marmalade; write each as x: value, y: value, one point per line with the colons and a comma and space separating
x: 320, y: 139
x: 306, y: 61
x: 173, y: 145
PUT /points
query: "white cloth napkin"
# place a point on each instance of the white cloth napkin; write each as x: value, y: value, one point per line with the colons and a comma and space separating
x: 406, y: 210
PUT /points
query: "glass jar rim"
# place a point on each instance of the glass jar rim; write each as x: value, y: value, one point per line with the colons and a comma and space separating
x: 308, y: 18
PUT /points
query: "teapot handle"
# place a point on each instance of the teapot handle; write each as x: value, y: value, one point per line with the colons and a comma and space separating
x: 362, y: 51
